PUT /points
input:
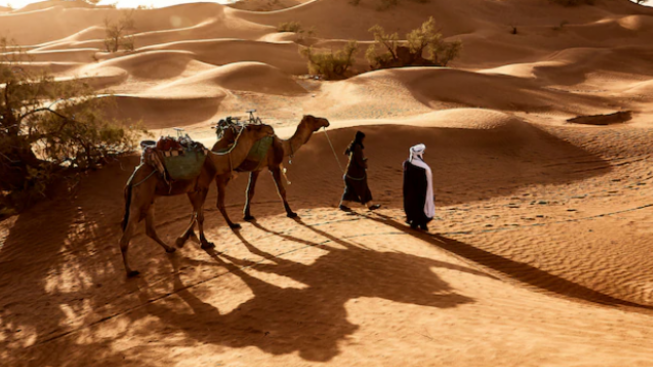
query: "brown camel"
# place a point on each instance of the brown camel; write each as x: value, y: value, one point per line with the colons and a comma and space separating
x: 146, y: 184
x: 279, y: 149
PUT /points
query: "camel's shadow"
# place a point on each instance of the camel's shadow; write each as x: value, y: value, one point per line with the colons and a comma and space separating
x: 312, y: 320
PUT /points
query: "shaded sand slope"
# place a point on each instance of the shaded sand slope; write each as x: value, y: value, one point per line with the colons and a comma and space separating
x: 431, y: 86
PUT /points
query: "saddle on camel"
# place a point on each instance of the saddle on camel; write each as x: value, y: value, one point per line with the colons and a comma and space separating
x: 174, y: 159
x: 266, y: 153
x: 172, y: 167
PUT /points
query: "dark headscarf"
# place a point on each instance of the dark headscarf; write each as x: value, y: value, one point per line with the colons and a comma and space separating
x: 358, y: 139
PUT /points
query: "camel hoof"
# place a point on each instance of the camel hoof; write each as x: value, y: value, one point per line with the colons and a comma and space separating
x: 171, y: 250
x: 292, y: 215
x: 180, y: 242
x: 132, y: 273
x: 249, y: 218
x: 208, y: 245
x: 235, y: 226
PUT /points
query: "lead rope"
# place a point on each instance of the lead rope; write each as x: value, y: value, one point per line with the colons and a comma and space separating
x: 333, y: 150
x: 284, y: 169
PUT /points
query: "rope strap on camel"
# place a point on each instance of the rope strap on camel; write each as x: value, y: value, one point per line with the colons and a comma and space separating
x: 176, y: 159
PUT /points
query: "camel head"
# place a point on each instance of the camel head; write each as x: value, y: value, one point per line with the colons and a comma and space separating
x: 259, y: 131
x: 314, y: 123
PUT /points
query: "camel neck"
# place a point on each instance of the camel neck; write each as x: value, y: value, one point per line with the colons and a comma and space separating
x: 301, y: 136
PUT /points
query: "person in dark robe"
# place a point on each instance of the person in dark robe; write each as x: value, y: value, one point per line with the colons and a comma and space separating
x: 419, y: 203
x: 356, y: 189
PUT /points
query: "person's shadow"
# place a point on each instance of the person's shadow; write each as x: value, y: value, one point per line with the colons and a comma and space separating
x: 511, y: 269
x: 310, y: 318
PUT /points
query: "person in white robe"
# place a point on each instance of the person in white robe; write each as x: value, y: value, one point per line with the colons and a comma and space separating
x: 419, y: 201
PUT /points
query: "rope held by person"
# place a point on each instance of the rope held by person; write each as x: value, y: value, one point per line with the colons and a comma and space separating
x: 334, y: 151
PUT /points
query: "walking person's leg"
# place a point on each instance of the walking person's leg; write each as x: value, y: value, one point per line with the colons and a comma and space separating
x: 367, y: 198
x: 348, y: 196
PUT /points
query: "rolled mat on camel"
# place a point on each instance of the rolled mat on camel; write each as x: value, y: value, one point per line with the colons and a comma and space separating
x: 177, y: 159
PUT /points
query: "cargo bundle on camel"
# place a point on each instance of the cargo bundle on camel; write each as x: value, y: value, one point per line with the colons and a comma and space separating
x: 266, y: 153
x: 174, y: 167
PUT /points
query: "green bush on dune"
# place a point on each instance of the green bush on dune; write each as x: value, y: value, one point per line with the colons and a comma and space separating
x: 296, y: 27
x: 330, y: 64
x: 289, y: 27
x: 423, y: 47
x: 49, y: 130
x: 118, y: 33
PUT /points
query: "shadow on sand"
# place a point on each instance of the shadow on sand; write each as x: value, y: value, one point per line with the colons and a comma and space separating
x: 514, y: 270
x: 311, y: 320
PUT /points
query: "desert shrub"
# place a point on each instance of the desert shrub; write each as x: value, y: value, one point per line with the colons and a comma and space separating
x: 296, y: 28
x: 423, y: 47
x: 49, y: 130
x: 289, y: 27
x: 384, y: 48
x: 330, y: 64
x: 119, y: 33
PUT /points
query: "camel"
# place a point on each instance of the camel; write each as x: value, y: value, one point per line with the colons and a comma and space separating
x: 272, y: 161
x: 146, y: 184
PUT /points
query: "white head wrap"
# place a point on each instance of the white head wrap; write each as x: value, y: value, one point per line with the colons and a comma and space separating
x: 417, y: 151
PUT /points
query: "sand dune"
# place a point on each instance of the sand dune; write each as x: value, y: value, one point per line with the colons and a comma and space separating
x: 597, y: 67
x: 539, y: 253
x: 246, y: 76
x: 435, y: 88
x: 156, y: 65
x: 284, y: 56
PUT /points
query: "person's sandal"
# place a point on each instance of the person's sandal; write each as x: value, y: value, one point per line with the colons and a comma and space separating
x: 344, y: 208
x: 374, y: 207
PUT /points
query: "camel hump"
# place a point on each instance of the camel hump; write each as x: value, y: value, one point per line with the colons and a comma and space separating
x: 257, y: 155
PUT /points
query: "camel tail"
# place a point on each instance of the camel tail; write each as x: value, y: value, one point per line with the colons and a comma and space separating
x: 128, y: 201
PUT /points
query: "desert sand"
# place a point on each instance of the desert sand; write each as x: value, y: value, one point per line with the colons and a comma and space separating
x: 540, y: 254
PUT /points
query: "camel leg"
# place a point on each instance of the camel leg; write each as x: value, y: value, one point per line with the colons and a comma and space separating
x: 124, y: 246
x: 221, y: 183
x: 134, y: 217
x: 251, y: 188
x: 198, y: 206
x: 276, y: 173
x: 151, y: 233
x: 181, y: 240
